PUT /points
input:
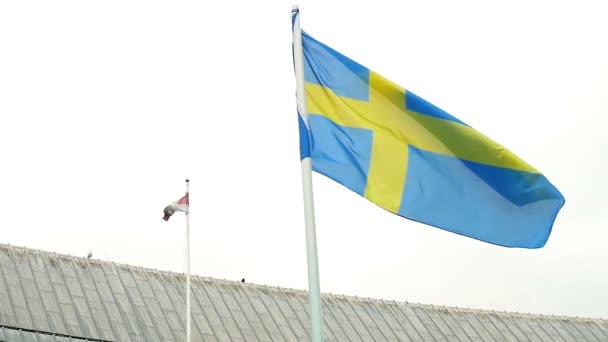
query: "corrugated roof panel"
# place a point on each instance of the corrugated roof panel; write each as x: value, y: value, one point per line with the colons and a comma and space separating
x: 150, y: 334
x: 70, y: 319
x: 159, y: 319
x: 297, y: 329
x: 74, y: 287
x: 603, y: 325
x: 134, y: 297
x: 479, y: 322
x: 115, y: 284
x: 20, y: 307
x: 367, y: 318
x: 497, y: 335
x: 67, y: 270
x: 199, y: 322
x: 271, y: 306
x: 597, y: 330
x: 449, y: 318
x: 143, y: 317
x: 290, y: 315
x: 63, y: 295
x: 417, y: 317
x: 49, y: 301
x: 261, y: 334
x: 500, y: 324
x: 424, y: 314
x: 121, y: 332
x: 587, y: 328
x: 540, y: 332
x: 124, y: 307
x: 332, y: 328
x: 54, y: 273
x: 97, y: 299
x: 461, y: 320
x: 242, y: 295
x: 522, y: 323
x: 332, y: 306
x: 514, y: 329
x: 32, y: 296
x: 382, y: 327
x: 104, y: 291
x: 209, y: 314
x: 28, y: 337
x: 47, y: 338
x: 55, y: 321
x: 439, y: 319
x: 24, y: 269
x: 410, y: 322
x: 177, y: 321
x: 561, y: 330
x: 395, y: 322
x: 43, y: 283
x: 113, y: 312
x: 8, y: 268
x: 143, y: 286
x: 200, y: 304
x: 221, y: 334
x: 283, y: 306
x: 195, y: 334
x: 13, y: 335
x: 217, y: 302
x: 242, y: 322
x: 126, y: 278
x: 266, y: 317
x: 102, y: 322
x: 96, y: 271
x: 6, y: 308
x: 85, y: 279
x: 357, y: 318
x: 547, y: 326
x: 85, y: 317
x: 160, y: 294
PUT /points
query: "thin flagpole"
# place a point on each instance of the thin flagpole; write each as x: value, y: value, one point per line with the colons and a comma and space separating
x: 314, y: 288
x: 188, y: 316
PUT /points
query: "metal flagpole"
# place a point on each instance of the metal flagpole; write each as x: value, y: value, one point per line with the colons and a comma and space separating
x: 314, y: 288
x: 188, y: 326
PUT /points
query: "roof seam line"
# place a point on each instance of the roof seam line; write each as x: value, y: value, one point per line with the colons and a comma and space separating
x: 44, y: 332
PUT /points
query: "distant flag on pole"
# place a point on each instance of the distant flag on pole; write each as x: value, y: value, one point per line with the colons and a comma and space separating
x: 182, y: 204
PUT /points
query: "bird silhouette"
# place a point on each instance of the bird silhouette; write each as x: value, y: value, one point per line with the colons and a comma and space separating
x: 89, y: 255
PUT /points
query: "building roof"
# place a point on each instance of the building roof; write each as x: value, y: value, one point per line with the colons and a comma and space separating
x: 46, y: 296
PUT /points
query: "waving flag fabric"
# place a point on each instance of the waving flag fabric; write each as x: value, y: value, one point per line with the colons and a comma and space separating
x: 182, y: 204
x: 415, y: 160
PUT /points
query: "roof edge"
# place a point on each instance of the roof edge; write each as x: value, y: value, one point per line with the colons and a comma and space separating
x: 29, y: 250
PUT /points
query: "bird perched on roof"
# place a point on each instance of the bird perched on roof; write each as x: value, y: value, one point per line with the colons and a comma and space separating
x: 89, y: 255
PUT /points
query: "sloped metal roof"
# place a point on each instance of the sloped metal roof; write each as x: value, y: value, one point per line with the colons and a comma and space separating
x: 51, y: 297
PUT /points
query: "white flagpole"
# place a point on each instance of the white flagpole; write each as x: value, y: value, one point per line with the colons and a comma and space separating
x: 314, y: 288
x: 188, y: 316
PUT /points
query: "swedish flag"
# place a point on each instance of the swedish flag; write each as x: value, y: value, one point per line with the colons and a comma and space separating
x: 415, y: 160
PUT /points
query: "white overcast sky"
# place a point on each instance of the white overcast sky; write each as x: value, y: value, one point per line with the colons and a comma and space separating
x: 106, y: 107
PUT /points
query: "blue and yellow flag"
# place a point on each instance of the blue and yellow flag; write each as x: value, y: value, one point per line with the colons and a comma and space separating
x: 415, y: 160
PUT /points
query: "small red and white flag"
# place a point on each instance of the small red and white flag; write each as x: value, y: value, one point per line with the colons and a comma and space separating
x: 182, y: 204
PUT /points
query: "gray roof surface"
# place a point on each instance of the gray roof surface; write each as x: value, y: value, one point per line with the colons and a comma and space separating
x: 45, y: 294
